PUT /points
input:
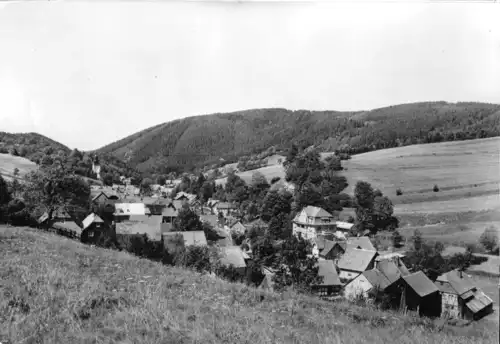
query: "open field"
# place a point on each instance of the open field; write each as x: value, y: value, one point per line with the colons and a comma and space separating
x: 9, y: 162
x: 456, y: 167
x: 461, y: 169
x: 55, y: 290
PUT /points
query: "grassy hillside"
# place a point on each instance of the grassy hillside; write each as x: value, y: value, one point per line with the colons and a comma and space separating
x: 59, y: 291
x: 197, y: 141
x: 9, y: 162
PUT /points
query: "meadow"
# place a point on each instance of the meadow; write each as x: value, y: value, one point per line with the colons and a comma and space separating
x: 9, y: 162
x: 55, y: 290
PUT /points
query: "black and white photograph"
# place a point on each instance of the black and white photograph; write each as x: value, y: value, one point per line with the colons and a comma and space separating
x: 247, y: 171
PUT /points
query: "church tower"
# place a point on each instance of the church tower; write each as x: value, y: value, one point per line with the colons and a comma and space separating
x: 96, y: 167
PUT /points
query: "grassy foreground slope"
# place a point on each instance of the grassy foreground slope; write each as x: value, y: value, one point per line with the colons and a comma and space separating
x: 55, y: 290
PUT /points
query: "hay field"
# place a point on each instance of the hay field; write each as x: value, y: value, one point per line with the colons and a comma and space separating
x: 461, y: 169
x: 9, y: 162
x: 55, y: 290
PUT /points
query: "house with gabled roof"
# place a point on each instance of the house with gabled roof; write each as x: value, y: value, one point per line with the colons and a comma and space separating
x: 386, y: 277
x: 354, y: 262
x: 313, y: 221
x: 331, y: 284
x: 234, y: 256
x: 420, y: 295
x: 461, y: 298
x: 94, y: 228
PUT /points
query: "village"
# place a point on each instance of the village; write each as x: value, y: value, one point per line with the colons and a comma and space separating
x: 350, y: 266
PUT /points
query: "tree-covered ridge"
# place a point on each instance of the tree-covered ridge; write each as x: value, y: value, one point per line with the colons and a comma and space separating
x: 32, y: 146
x: 183, y: 144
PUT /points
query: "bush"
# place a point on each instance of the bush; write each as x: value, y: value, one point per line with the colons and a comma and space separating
x: 436, y: 188
x: 489, y: 238
x: 399, y: 192
x: 275, y: 179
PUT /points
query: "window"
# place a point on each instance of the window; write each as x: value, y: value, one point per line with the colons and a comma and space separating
x: 91, y: 234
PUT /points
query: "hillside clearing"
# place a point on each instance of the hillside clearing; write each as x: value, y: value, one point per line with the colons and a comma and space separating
x: 9, y: 162
x: 59, y: 291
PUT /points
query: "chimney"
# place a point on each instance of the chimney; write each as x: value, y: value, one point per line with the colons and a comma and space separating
x: 460, y: 273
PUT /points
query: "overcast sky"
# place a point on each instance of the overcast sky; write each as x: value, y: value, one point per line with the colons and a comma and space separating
x: 87, y: 74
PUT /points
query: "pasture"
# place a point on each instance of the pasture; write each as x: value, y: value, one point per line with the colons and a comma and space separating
x: 461, y: 169
x: 9, y: 162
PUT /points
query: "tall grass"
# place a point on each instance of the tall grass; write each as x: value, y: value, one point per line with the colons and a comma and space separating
x: 55, y: 290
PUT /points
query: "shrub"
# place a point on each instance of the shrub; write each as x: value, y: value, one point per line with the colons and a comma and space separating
x: 436, y: 188
x: 399, y: 192
x: 275, y: 179
x: 489, y: 238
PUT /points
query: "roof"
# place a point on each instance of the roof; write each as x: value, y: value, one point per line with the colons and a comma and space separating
x: 316, y: 212
x: 92, y: 218
x: 421, y: 284
x: 479, y: 302
x: 186, y: 195
x: 225, y: 205
x: 460, y: 285
x: 320, y: 242
x: 141, y: 224
x: 344, y: 225
x: 328, y: 246
x: 99, y: 195
x: 356, y: 260
x: 328, y: 271
x: 130, y: 209
x: 68, y: 225
x: 377, y: 278
x: 169, y: 212
x: 390, y: 270
x: 361, y: 242
x: 211, y: 219
x: 233, y: 255
x: 383, y: 256
x: 44, y: 217
x: 238, y: 227
x: 194, y: 238
x: 267, y: 283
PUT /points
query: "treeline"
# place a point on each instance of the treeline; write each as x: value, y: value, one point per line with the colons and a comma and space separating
x: 183, y: 145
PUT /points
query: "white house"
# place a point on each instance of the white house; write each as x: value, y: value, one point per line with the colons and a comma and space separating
x: 312, y: 221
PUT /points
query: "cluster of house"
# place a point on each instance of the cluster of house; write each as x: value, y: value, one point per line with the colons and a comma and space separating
x: 351, y: 267
x: 152, y: 216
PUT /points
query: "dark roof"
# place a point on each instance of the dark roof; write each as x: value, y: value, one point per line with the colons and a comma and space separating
x: 377, y: 278
x: 356, y: 260
x: 421, y: 284
x: 459, y: 284
x: 99, y: 195
x: 327, y: 269
x: 328, y: 246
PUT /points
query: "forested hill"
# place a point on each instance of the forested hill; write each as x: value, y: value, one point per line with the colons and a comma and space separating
x: 32, y: 146
x: 197, y: 141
